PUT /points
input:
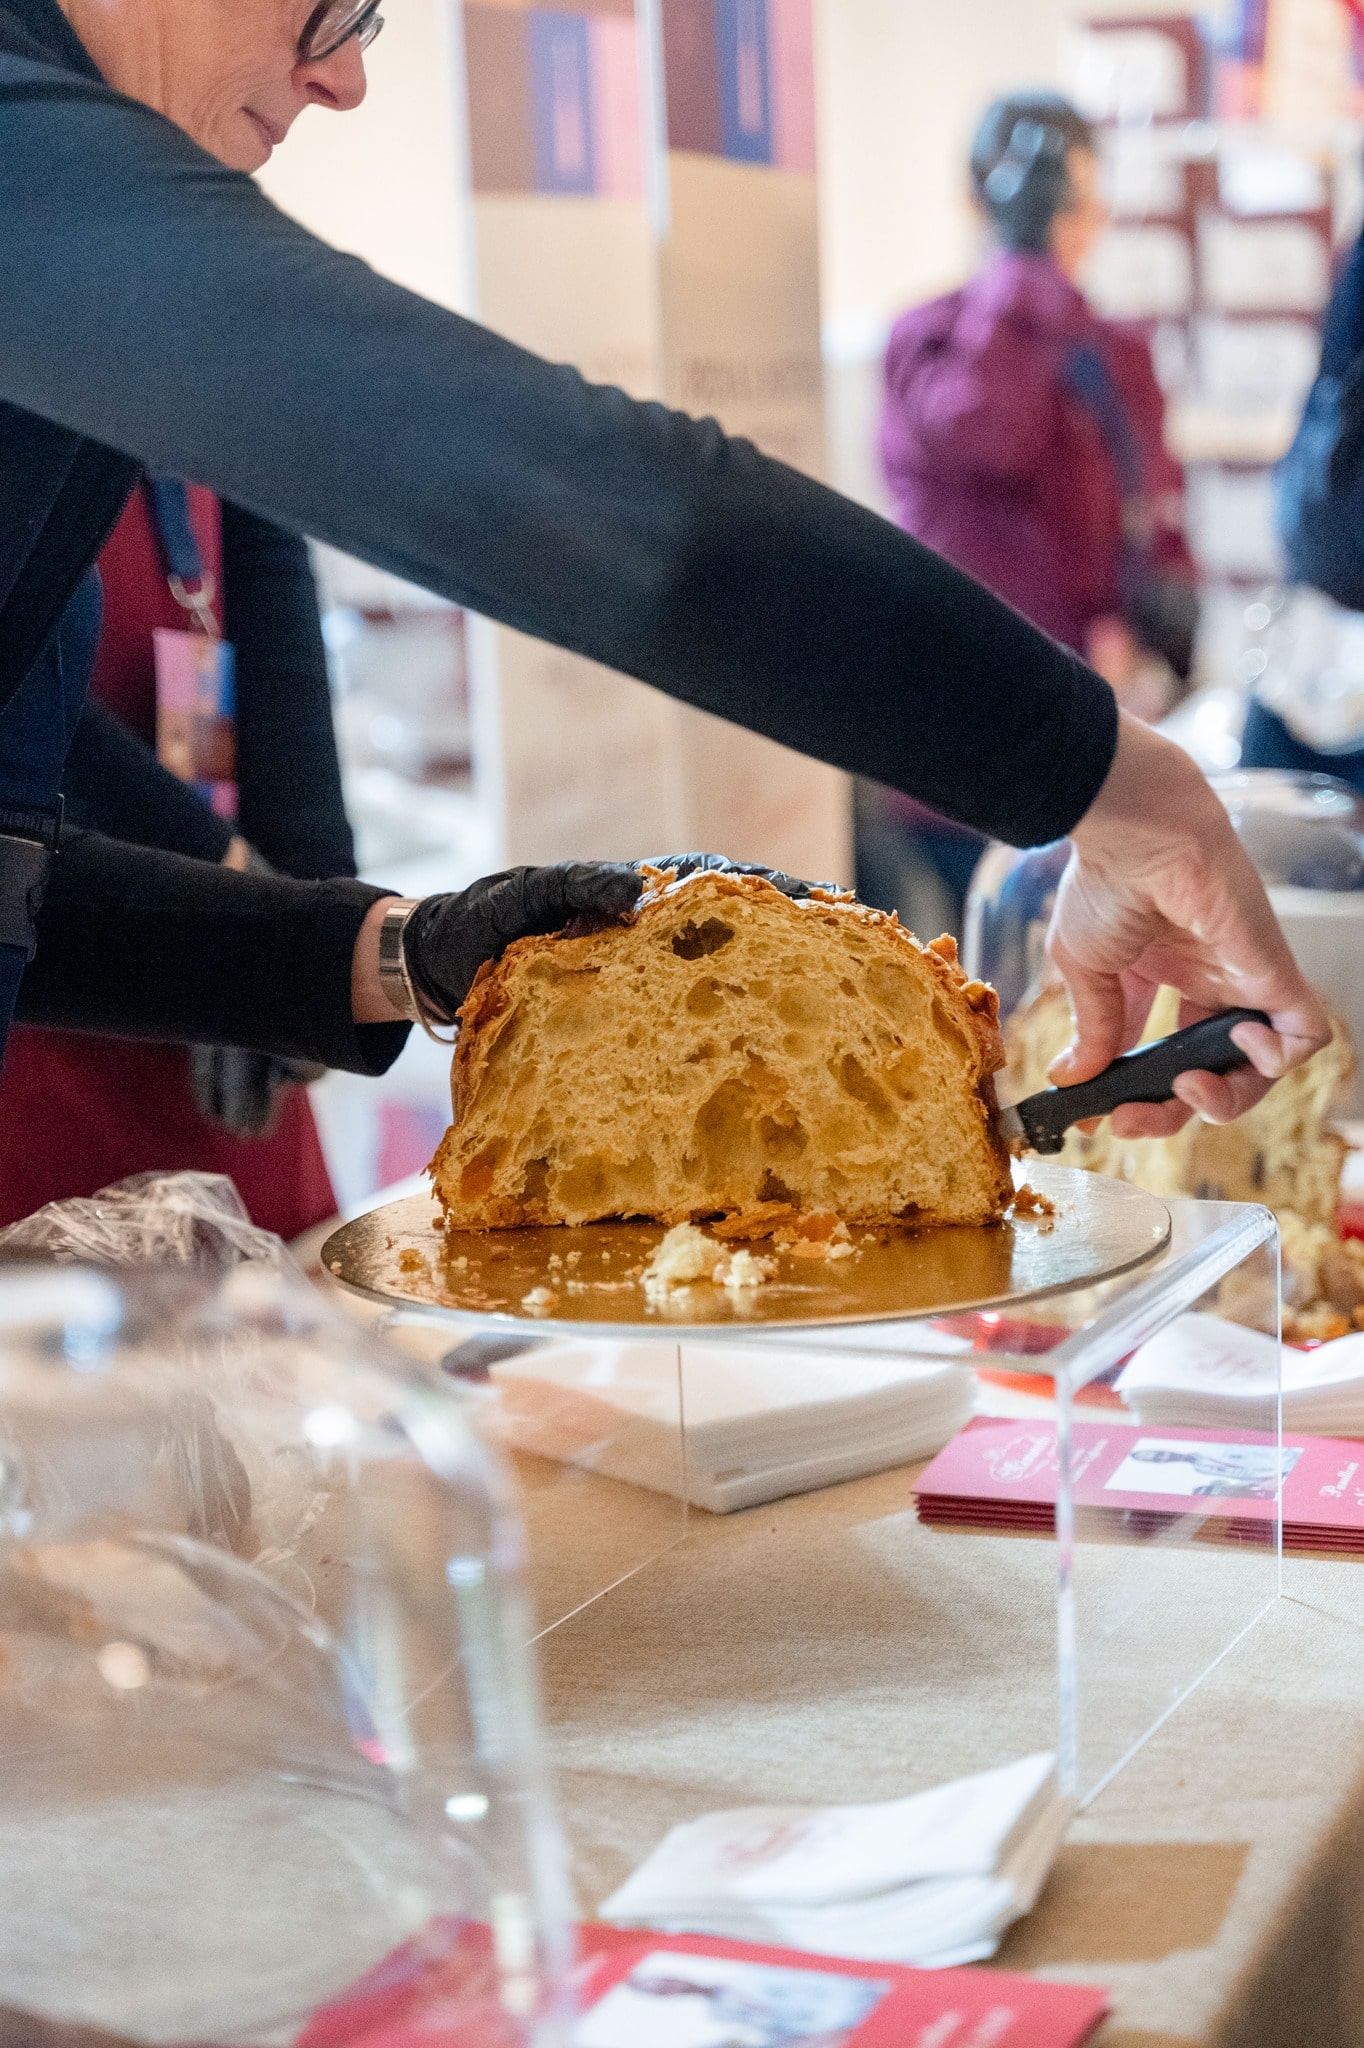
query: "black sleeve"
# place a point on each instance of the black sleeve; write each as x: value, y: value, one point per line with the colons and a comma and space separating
x: 115, y: 784
x: 144, y: 944
x: 289, y: 776
x: 169, y: 310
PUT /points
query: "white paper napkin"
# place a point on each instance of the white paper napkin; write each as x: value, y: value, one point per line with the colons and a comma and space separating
x: 1206, y: 1372
x: 760, y: 1423
x: 935, y: 1878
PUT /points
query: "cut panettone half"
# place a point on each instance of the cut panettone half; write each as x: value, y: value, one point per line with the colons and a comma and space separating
x: 730, y: 1054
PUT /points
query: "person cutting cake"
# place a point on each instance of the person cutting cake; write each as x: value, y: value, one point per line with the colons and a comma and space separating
x: 160, y: 313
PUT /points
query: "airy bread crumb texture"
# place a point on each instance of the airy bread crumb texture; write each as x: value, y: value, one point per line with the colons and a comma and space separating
x: 726, y: 1054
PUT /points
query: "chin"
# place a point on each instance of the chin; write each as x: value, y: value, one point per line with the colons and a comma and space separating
x: 246, y: 146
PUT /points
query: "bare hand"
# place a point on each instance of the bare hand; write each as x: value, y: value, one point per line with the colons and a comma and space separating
x: 1160, y: 890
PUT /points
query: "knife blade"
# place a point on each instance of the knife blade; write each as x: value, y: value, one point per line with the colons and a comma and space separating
x: 1146, y: 1074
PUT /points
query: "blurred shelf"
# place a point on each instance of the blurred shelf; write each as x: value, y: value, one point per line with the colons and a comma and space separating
x: 1198, y: 432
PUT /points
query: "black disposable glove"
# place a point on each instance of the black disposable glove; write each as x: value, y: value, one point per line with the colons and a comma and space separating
x: 241, y: 1090
x: 448, y: 938
x: 717, y: 864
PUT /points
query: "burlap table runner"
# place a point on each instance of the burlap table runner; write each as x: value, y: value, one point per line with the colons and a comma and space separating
x: 828, y: 1648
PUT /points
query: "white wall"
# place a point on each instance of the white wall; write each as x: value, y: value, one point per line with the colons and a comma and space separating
x: 902, y: 84
x: 383, y: 182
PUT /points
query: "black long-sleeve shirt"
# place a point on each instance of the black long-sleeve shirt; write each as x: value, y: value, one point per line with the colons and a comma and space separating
x: 288, y: 775
x: 143, y: 944
x: 114, y: 784
x: 157, y: 304
x: 225, y: 954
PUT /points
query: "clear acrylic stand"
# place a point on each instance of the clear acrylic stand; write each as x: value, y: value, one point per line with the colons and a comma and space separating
x: 1146, y: 1604
x: 1005, y: 1641
x: 595, y: 1438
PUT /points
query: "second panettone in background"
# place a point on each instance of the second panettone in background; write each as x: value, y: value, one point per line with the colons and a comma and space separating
x: 1283, y: 1153
x: 726, y: 1053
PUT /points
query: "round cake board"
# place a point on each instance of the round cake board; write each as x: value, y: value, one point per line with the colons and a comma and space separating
x: 587, y: 1280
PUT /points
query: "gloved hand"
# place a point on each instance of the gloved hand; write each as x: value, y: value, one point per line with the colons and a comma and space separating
x: 241, y: 1090
x: 447, y: 938
x: 717, y: 864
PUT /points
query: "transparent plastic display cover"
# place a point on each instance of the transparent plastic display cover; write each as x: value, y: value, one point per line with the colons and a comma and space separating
x: 597, y: 1528
x: 266, y: 1702
x: 592, y: 1434
x: 1169, y: 1516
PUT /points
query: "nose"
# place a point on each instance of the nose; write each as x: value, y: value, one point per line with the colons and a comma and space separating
x: 337, y: 81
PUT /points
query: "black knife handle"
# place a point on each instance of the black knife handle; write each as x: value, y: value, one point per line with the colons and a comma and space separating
x: 1146, y: 1074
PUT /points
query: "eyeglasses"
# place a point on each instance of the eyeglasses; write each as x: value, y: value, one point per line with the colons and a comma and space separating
x: 332, y: 25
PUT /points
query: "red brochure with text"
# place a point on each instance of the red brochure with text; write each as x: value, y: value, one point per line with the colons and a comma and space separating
x: 1003, y: 1475
x: 636, y: 1988
x: 688, y: 1991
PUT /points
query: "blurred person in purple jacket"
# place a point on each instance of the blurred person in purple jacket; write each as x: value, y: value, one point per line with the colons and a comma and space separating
x: 1022, y: 436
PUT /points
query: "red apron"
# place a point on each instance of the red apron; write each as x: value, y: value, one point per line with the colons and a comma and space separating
x: 78, y: 1112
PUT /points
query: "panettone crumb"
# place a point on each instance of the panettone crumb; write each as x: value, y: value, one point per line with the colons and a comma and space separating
x: 815, y: 1237
x: 742, y: 1269
x: 687, y: 1255
x: 684, y: 1255
x: 1029, y: 1201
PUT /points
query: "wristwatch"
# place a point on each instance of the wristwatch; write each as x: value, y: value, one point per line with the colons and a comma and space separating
x: 394, y: 978
x: 28, y: 845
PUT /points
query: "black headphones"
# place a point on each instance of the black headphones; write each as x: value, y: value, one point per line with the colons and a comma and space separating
x: 1028, y: 186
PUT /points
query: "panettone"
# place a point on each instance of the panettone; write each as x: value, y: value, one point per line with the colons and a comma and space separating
x: 726, y: 1053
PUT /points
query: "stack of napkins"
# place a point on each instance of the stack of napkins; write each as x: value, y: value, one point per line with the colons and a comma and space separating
x: 932, y: 1880
x: 760, y: 1422
x: 1211, y: 1374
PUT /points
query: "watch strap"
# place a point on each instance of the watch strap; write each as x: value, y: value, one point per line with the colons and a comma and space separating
x: 28, y: 843
x: 394, y: 979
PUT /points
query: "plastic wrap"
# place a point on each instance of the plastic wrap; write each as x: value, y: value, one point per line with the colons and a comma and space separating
x: 167, y: 1219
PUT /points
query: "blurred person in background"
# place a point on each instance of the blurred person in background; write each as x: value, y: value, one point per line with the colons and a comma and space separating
x: 1023, y: 438
x: 1306, y: 709
x: 78, y: 1112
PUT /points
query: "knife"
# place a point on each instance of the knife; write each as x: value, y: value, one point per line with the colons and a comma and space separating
x: 1147, y: 1074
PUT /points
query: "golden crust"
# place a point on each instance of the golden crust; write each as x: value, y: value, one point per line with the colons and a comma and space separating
x: 972, y: 1005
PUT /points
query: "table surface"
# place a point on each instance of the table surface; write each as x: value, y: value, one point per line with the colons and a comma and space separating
x: 828, y: 1648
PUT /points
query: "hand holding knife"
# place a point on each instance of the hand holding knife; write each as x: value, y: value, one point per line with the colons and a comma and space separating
x: 1146, y: 1074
